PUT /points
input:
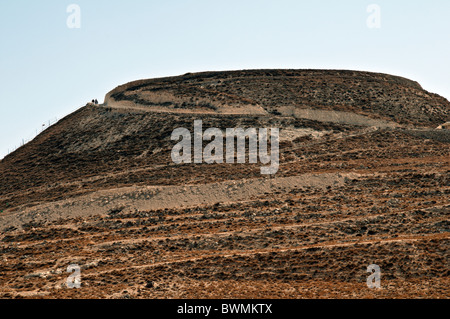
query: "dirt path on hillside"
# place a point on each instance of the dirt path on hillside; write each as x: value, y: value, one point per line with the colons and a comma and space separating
x: 160, y: 197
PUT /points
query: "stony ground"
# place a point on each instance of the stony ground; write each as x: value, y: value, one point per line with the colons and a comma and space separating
x: 99, y: 190
x: 310, y: 242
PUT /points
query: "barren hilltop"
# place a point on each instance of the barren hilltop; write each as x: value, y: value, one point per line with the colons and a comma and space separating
x: 287, y: 92
x: 364, y: 179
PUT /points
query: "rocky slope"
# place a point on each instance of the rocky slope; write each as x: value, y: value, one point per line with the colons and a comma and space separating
x: 364, y: 178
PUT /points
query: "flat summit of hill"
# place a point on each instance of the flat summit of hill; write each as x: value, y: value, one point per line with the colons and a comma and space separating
x: 287, y: 92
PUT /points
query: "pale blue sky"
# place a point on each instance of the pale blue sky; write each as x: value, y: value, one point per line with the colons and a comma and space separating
x: 48, y: 70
